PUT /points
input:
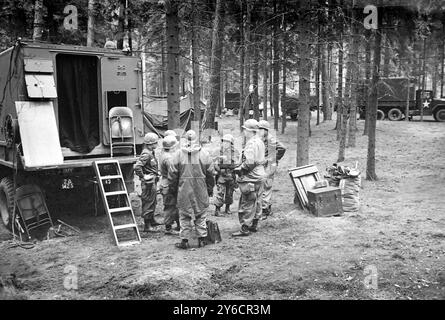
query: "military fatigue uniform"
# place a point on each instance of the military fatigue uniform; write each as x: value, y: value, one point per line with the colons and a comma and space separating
x: 147, y: 164
x: 274, y: 151
x: 226, y: 179
x: 171, y: 213
x: 191, y: 178
x: 251, y: 181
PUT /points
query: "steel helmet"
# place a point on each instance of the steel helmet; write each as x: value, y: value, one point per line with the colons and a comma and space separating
x: 228, y: 138
x: 169, y: 142
x: 263, y: 124
x: 251, y: 125
x: 170, y: 133
x: 151, y: 138
x: 191, y: 135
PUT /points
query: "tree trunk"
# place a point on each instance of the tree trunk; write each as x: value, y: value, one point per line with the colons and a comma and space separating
x: 215, y: 65
x: 241, y: 72
x: 387, y: 57
x: 285, y: 40
x: 38, y: 20
x: 90, y: 33
x: 340, y: 88
x: 172, y: 25
x: 368, y: 40
x: 370, y: 165
x: 247, y: 61
x: 304, y: 107
x: 255, y: 77
x: 121, y: 25
x: 317, y: 77
x: 265, y: 75
x: 423, y: 75
x: 271, y: 77
x: 346, y: 107
x: 332, y: 80
x: 163, y: 85
x: 355, y: 70
x: 276, y: 67
x: 327, y: 112
x: 195, y: 69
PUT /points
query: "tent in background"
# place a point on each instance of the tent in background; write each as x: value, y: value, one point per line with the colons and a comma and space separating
x: 156, y: 114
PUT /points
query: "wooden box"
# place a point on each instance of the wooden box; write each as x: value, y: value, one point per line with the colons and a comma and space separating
x: 325, y: 202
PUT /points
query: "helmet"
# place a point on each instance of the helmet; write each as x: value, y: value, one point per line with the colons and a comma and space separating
x: 250, y: 125
x: 263, y: 124
x: 169, y: 142
x: 191, y: 135
x: 151, y: 138
x: 228, y: 138
x: 170, y: 133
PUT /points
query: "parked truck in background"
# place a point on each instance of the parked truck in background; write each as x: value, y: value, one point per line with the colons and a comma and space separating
x: 54, y: 108
x: 394, y: 94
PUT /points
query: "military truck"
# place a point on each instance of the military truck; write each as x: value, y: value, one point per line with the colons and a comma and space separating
x: 290, y: 104
x: 394, y: 94
x: 54, y: 118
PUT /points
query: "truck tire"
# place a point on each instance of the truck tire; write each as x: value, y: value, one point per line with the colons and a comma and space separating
x: 439, y: 115
x: 380, y: 115
x: 395, y: 114
x: 294, y: 117
x: 6, y: 201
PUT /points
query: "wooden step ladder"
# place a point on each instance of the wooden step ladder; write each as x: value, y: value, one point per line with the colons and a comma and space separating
x: 117, y: 202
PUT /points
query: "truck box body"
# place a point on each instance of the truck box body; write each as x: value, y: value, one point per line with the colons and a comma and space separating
x: 82, y: 84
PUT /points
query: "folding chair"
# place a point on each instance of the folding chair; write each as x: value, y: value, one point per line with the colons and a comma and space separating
x: 32, y: 208
x: 122, y: 132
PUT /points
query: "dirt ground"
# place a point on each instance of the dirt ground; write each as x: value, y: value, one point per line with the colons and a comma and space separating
x: 396, y: 242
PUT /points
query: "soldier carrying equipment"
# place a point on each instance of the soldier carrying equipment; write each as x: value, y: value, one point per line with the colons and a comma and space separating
x: 146, y: 168
x: 225, y: 177
x: 171, y: 213
x: 274, y: 151
x: 250, y: 179
x: 191, y: 178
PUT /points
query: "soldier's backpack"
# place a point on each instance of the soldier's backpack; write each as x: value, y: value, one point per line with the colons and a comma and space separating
x: 213, y: 234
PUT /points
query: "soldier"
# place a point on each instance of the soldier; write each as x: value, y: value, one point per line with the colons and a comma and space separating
x: 191, y: 178
x: 274, y: 151
x: 170, y: 133
x: 146, y: 168
x: 250, y: 181
x: 171, y: 213
x: 225, y: 177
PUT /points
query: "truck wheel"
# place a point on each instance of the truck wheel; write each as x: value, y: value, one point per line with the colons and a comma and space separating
x: 395, y: 114
x: 439, y: 115
x: 6, y: 201
x: 380, y: 115
x: 294, y: 117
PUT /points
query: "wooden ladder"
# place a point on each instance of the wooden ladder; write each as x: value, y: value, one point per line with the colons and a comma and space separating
x: 117, y: 202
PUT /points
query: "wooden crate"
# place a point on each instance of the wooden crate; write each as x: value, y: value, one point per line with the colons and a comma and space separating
x: 325, y: 202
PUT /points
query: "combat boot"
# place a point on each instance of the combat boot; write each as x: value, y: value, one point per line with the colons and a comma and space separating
x: 244, y: 232
x: 148, y: 227
x: 217, y: 211
x: 265, y: 214
x: 202, y: 242
x: 178, y: 226
x: 170, y: 231
x: 254, y: 226
x: 227, y: 211
x: 184, y: 244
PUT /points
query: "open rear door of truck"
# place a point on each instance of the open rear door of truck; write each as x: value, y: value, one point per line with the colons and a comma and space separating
x: 121, y: 80
x: 39, y: 134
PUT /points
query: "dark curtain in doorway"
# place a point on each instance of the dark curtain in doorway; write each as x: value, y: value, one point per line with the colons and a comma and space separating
x: 77, y: 88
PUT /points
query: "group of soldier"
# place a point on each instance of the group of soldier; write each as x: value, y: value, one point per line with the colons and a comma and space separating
x: 188, y: 173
